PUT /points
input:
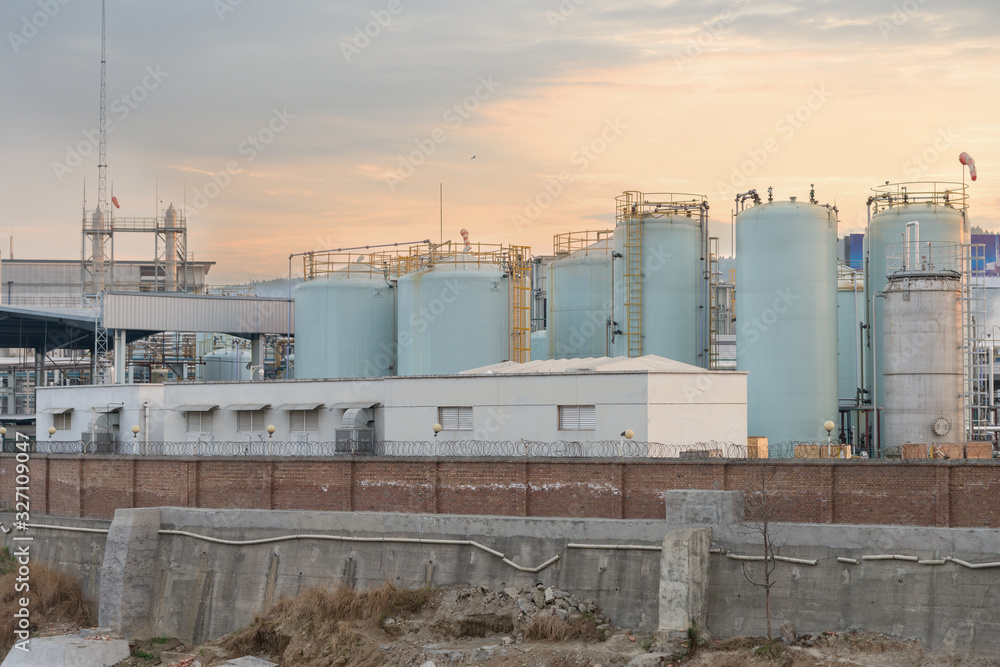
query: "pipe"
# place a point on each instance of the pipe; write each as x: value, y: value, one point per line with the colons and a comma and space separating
x: 908, y: 260
x: 465, y: 237
x: 619, y: 547
x: 145, y: 422
x: 849, y: 561
x: 342, y: 538
x: 891, y: 557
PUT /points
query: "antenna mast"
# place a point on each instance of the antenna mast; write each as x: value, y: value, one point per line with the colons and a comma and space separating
x: 102, y: 164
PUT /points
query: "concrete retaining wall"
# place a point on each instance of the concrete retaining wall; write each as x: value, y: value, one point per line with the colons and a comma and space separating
x: 199, y: 590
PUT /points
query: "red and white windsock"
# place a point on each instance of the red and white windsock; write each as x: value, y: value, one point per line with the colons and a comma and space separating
x: 465, y: 237
x: 967, y: 160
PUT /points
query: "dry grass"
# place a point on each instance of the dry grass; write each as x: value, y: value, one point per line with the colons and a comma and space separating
x: 325, y: 612
x: 55, y: 597
x: 547, y: 628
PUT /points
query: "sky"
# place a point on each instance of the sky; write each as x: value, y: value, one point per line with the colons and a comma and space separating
x: 308, y: 125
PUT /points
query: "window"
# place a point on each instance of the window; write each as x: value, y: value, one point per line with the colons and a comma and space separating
x: 64, y: 421
x: 455, y: 418
x: 199, y: 421
x: 577, y: 418
x: 250, y: 420
x: 303, y: 420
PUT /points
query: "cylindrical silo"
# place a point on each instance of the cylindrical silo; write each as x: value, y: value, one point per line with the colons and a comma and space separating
x: 940, y: 210
x: 579, y: 300
x: 786, y: 319
x: 345, y: 324
x: 226, y: 365
x: 453, y: 316
x: 660, y: 299
x: 922, y: 326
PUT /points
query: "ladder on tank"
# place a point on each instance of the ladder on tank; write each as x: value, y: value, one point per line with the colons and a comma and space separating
x: 974, y: 352
x: 520, y: 303
x: 714, y: 274
x: 630, y: 214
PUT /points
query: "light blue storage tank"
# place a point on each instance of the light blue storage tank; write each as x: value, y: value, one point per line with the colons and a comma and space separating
x: 453, y: 316
x: 940, y: 208
x: 345, y: 324
x: 671, y: 319
x: 579, y: 298
x: 786, y: 319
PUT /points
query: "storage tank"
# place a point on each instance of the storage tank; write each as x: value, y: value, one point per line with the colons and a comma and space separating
x: 227, y: 365
x: 923, y: 373
x: 660, y: 292
x: 345, y: 322
x: 453, y: 315
x: 786, y: 318
x: 940, y: 210
x: 579, y: 295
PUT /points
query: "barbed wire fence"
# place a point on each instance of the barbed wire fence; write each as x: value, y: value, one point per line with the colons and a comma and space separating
x: 508, y: 449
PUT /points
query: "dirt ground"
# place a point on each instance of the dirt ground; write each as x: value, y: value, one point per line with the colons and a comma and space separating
x: 530, y: 627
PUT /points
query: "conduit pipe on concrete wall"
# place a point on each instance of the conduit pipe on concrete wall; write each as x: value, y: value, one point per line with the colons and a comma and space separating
x: 783, y: 559
x: 385, y: 540
x: 622, y: 547
x: 913, y: 559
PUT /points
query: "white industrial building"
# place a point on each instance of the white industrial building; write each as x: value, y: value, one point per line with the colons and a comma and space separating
x: 575, y: 400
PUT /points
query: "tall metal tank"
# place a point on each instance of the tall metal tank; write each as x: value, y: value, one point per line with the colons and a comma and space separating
x: 453, y: 315
x: 786, y: 317
x: 940, y: 210
x: 660, y: 292
x: 345, y: 323
x: 922, y: 368
x: 579, y: 295
x: 226, y: 365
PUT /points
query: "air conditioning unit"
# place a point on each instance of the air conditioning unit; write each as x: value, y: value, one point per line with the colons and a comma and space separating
x: 98, y: 443
x: 355, y: 440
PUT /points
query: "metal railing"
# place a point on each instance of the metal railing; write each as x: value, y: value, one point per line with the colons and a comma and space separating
x: 600, y: 241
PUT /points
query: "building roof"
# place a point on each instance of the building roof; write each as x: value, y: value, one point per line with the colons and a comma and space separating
x: 649, y: 363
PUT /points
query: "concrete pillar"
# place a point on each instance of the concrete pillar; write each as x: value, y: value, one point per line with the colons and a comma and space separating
x: 684, y: 579
x: 128, y: 574
x: 121, y: 353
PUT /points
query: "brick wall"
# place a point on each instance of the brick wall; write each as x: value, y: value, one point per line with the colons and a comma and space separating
x: 932, y: 493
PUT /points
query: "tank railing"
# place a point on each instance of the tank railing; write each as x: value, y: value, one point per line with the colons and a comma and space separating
x: 953, y: 195
x: 929, y: 256
x: 598, y: 240
x: 323, y: 264
x: 451, y: 252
